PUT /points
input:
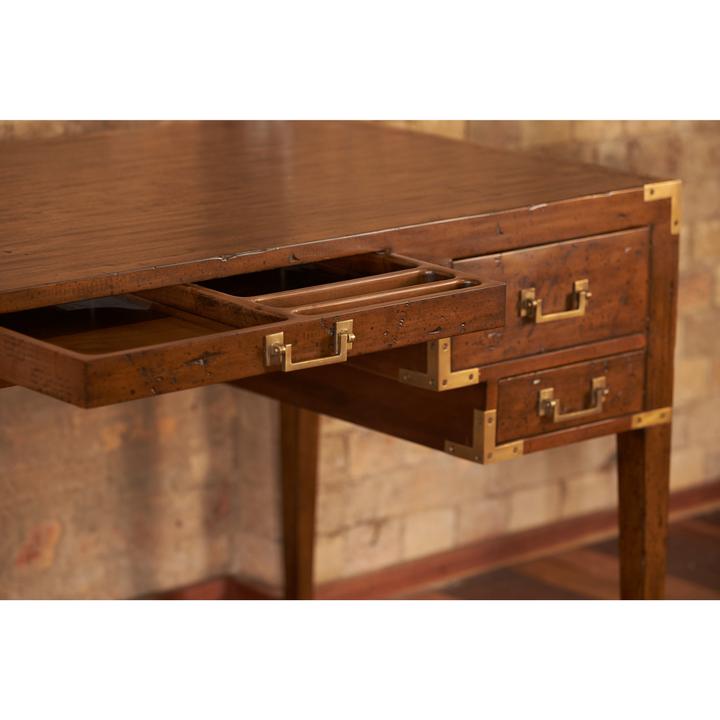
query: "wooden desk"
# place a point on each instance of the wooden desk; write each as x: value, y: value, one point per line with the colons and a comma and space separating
x: 481, y: 302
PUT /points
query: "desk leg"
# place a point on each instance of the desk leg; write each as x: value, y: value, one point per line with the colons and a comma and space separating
x: 644, y: 473
x: 299, y: 443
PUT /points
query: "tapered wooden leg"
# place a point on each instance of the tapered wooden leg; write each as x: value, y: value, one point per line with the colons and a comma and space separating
x: 644, y: 473
x: 299, y: 441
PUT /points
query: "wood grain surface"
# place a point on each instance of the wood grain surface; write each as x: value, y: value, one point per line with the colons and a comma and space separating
x: 121, y: 211
x: 616, y: 267
x: 518, y: 396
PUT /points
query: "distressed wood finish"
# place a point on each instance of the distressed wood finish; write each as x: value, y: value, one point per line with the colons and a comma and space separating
x: 617, y: 269
x: 299, y: 430
x: 117, y: 212
x: 113, y: 361
x: 243, y: 207
x: 407, y: 412
x: 518, y: 395
x: 644, y: 455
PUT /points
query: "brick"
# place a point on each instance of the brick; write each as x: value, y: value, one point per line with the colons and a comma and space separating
x: 655, y: 154
x: 589, y: 493
x: 699, y: 127
x: 371, y: 453
x: 364, y: 501
x: 333, y: 458
x: 706, y: 240
x: 552, y: 465
x: 414, y: 454
x: 680, y: 351
x: 613, y: 153
x: 329, y: 561
x: 534, y: 133
x: 260, y: 510
x: 496, y: 133
x: 258, y: 558
x: 534, y: 507
x: 446, y: 128
x: 428, y: 532
x: 482, y: 519
x: 373, y: 546
x: 694, y: 291
x: 680, y: 434
x: 330, y: 509
x: 640, y: 128
x: 687, y: 468
x: 425, y: 486
x: 698, y: 337
x: 712, y: 466
x: 38, y: 548
x: 701, y: 197
x: 330, y: 425
x: 175, y: 566
x: 692, y: 380
x: 704, y: 423
x: 701, y: 154
x: 597, y: 130
x: 685, y: 259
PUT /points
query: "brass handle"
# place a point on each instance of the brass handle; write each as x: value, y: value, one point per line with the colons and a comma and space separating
x: 530, y: 307
x: 277, y: 353
x: 547, y: 405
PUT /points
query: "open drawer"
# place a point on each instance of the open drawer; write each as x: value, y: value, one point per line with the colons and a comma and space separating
x: 99, y: 352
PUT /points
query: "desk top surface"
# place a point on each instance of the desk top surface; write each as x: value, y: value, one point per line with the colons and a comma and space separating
x: 174, y: 197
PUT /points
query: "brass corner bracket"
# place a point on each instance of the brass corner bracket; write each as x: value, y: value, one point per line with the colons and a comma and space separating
x: 649, y: 418
x: 484, y: 450
x: 439, y: 375
x: 667, y: 189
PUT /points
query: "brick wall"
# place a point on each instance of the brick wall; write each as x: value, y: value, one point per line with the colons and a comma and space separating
x: 154, y: 494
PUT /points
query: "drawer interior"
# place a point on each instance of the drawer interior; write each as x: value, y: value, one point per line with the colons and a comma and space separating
x: 337, y: 285
x: 115, y: 324
x: 306, y: 275
x: 100, y: 351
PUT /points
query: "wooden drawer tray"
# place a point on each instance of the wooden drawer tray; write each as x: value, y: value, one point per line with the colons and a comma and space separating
x: 615, y: 268
x: 99, y: 352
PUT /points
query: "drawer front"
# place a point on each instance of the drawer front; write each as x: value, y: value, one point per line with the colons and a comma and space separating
x: 615, y: 267
x: 551, y: 400
x: 110, y: 350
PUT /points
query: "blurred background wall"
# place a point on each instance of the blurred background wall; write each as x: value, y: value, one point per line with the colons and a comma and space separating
x: 157, y: 494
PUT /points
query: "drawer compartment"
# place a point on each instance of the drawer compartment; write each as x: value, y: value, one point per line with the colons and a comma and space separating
x: 615, y: 270
x: 550, y: 400
x: 99, y: 352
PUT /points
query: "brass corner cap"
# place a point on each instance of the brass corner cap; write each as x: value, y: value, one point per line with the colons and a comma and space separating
x: 667, y: 189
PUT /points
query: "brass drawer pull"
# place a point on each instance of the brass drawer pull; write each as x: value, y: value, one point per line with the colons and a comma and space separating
x: 276, y: 352
x: 530, y: 307
x: 548, y: 406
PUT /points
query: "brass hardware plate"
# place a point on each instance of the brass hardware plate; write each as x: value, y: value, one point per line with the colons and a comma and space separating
x: 484, y: 450
x: 548, y: 406
x: 667, y: 189
x: 439, y: 375
x: 277, y: 353
x: 532, y: 307
x: 652, y: 417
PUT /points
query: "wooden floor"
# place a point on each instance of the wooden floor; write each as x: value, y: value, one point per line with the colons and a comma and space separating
x: 592, y: 573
